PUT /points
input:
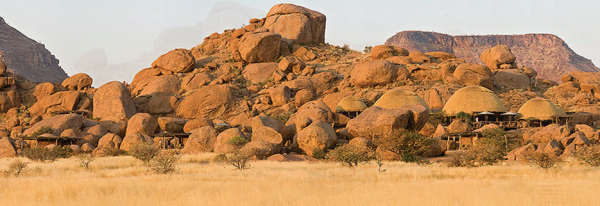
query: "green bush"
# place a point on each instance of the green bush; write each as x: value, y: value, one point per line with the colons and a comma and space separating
x: 42, y: 130
x: 464, y: 116
x: 47, y: 155
x: 282, y: 117
x: 488, y: 150
x: 589, y: 155
x: 318, y: 153
x: 144, y: 152
x: 351, y: 155
x: 409, y: 145
x: 436, y: 118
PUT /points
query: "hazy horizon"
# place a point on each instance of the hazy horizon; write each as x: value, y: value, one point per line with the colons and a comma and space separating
x: 103, y: 37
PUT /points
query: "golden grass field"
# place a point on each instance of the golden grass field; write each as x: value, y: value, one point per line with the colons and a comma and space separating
x: 125, y: 181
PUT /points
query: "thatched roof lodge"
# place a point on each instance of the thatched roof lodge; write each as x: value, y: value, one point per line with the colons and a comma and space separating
x: 398, y: 98
x: 472, y: 99
x: 350, y: 104
x: 540, y: 109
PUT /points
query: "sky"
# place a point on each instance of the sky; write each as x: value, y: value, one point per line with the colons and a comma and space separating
x: 114, y: 39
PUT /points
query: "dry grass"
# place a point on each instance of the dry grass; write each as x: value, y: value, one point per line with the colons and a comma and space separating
x: 125, y: 181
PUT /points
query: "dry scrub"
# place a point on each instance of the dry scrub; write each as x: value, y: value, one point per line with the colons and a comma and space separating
x: 126, y: 181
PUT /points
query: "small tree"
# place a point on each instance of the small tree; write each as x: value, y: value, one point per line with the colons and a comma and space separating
x: 367, y: 49
x: 15, y: 168
x: 409, y: 145
x: 164, y: 163
x: 237, y: 157
x: 351, y: 155
x: 84, y: 160
x: 379, y: 161
x: 144, y: 152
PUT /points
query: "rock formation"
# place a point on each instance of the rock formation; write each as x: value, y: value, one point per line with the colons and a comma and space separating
x: 549, y: 55
x: 27, y: 57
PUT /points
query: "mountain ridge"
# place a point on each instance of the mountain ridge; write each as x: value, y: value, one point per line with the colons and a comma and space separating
x: 548, y: 54
x: 28, y: 58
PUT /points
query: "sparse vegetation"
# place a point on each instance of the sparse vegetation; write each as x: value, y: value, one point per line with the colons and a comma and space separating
x: 545, y: 160
x: 47, y: 155
x: 368, y: 49
x: 351, y: 155
x: 42, y: 130
x: 144, y: 152
x: 84, y: 160
x: 15, y: 168
x: 409, y: 145
x: 237, y: 157
x: 589, y: 155
x: 164, y: 163
x: 282, y: 117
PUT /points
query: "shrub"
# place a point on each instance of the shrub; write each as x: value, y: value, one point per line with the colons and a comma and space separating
x: 410, y: 145
x: 47, y: 155
x: 351, y: 155
x: 42, y: 130
x: 589, y: 155
x: 487, y: 151
x: 463, y: 159
x: 84, y: 160
x: 144, y: 152
x: 436, y: 118
x: 318, y: 153
x: 237, y: 157
x: 367, y: 49
x: 164, y: 163
x: 545, y: 160
x: 492, y: 147
x: 283, y: 117
x: 16, y: 168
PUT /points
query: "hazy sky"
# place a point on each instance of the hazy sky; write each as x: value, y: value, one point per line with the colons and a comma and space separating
x: 119, y: 38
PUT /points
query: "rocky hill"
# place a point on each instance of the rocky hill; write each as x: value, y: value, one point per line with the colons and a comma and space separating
x: 276, y: 83
x: 548, y: 54
x: 28, y: 58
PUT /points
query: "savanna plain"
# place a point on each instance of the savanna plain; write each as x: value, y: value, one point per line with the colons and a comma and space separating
x: 123, y: 180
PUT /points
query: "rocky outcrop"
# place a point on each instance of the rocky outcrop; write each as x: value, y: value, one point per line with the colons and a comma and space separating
x: 27, y: 57
x: 548, y: 54
x: 113, y: 102
x: 296, y: 24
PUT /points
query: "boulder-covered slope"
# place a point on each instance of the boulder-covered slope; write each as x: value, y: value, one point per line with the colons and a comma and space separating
x: 27, y: 57
x: 548, y: 54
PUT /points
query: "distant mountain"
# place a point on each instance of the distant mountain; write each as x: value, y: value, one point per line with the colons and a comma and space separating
x: 28, y: 58
x: 548, y: 54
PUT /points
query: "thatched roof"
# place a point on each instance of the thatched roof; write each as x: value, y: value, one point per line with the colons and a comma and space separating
x: 541, y: 109
x: 398, y: 98
x: 350, y: 104
x: 474, y: 99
